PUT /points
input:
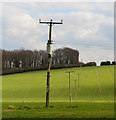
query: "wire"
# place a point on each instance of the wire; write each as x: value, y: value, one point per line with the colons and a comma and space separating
x: 84, y: 44
x: 25, y: 94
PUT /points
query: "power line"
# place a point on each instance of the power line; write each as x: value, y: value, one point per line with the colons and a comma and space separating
x: 84, y: 44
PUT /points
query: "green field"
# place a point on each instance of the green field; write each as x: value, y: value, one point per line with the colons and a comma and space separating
x: 94, y: 97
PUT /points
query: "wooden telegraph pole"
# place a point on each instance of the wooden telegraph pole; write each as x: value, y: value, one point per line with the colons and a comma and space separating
x: 78, y: 82
x: 49, y: 51
x: 75, y: 89
x: 69, y: 85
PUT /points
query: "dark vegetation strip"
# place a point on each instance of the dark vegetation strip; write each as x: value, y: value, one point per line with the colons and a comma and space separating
x: 58, y: 119
x: 37, y: 68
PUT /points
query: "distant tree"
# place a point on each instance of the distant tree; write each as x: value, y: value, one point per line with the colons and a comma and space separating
x: 6, y: 58
x: 43, y: 58
x: 58, y: 56
x: 105, y: 63
x: 89, y: 64
x: 65, y: 56
x: 113, y: 62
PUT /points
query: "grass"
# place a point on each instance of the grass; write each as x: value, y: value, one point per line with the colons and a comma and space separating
x: 95, y: 98
x: 59, y: 110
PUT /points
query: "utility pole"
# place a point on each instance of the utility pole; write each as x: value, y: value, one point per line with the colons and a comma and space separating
x: 78, y: 82
x: 49, y: 51
x: 69, y: 85
x: 81, y: 65
x: 75, y: 89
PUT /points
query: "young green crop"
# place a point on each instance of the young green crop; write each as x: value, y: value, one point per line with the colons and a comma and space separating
x: 93, y: 99
x: 96, y: 84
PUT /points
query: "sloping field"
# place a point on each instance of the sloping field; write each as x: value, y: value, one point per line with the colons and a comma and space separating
x: 92, y: 95
x: 94, y: 84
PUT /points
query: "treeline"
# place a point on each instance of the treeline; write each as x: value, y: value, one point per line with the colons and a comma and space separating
x: 21, y: 60
x: 89, y: 64
x: 107, y: 63
x: 27, y: 60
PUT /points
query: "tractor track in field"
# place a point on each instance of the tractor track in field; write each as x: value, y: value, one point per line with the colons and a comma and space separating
x: 108, y: 74
x: 99, y: 85
x: 102, y: 84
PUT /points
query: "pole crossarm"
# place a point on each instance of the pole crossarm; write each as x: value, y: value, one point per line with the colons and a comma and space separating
x: 51, y: 22
x: 69, y: 71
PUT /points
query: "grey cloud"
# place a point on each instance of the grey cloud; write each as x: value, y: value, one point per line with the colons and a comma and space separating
x: 79, y: 29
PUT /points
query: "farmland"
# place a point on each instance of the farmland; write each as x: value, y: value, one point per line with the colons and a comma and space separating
x: 94, y: 97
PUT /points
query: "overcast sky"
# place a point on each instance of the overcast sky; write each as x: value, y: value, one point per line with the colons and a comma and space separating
x: 87, y: 27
